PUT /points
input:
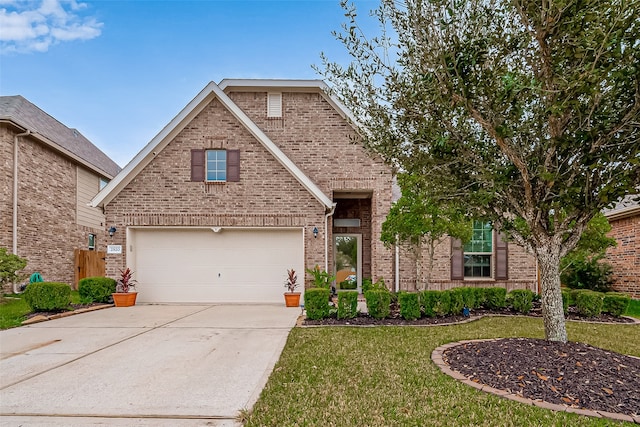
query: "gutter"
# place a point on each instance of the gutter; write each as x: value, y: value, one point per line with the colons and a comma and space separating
x: 15, y: 189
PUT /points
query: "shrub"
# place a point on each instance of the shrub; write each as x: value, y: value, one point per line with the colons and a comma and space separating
x: 409, y: 305
x: 457, y: 301
x: 428, y: 301
x: 366, y: 284
x: 321, y: 279
x: 369, y: 285
x: 567, y: 300
x: 590, y: 274
x: 442, y: 305
x: 316, y: 302
x: 615, y: 303
x: 96, y: 289
x: 347, y: 305
x: 378, y: 302
x: 10, y: 267
x: 479, y: 296
x: 469, y: 297
x: 495, y: 298
x: 48, y: 296
x: 589, y: 303
x: 521, y: 300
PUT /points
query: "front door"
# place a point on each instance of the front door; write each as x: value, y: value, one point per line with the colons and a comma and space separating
x: 348, y: 261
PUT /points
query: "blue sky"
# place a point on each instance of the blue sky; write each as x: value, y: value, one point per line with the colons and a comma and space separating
x: 119, y: 71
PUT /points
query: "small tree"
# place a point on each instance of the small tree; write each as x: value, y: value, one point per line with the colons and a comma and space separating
x: 419, y: 221
x: 11, y: 267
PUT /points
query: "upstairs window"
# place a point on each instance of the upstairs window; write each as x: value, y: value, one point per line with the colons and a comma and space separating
x: 216, y: 168
x: 274, y: 104
x: 478, y: 252
x: 215, y: 165
x: 103, y: 182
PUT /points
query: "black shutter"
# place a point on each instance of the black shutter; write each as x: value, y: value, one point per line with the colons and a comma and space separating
x: 197, y: 165
x: 502, y: 257
x: 233, y: 165
x: 457, y: 260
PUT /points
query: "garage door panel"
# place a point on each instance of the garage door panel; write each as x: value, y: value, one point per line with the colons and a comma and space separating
x: 199, y: 265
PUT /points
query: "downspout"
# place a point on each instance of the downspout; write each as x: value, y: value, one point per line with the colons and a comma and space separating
x: 397, y: 268
x: 15, y: 197
x: 15, y: 189
x: 326, y: 236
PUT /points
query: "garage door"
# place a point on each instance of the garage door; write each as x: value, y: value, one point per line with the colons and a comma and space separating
x: 201, y: 265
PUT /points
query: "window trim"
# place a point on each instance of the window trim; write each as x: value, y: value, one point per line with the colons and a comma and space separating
x: 216, y: 161
x: 490, y: 254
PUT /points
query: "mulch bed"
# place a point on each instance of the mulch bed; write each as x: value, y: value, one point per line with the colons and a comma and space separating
x: 572, y: 374
x: 72, y: 307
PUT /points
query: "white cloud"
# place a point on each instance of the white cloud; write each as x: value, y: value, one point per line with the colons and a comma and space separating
x: 34, y: 26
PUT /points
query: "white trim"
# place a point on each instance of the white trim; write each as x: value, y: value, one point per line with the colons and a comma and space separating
x: 274, y: 104
x: 162, y: 139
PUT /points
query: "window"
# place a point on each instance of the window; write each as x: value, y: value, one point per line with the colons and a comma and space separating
x: 103, y: 183
x: 478, y: 252
x: 274, y: 105
x: 216, y: 167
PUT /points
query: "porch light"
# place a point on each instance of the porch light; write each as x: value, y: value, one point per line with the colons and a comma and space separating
x: 315, y: 232
x: 112, y: 231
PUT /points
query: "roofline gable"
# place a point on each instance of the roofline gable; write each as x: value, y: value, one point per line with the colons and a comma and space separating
x: 188, y: 113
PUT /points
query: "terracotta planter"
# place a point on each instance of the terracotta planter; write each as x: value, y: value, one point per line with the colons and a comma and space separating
x: 124, y: 299
x: 292, y: 299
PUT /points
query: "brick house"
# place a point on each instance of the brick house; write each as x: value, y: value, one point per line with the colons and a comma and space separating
x: 251, y: 178
x: 625, y: 258
x: 49, y: 174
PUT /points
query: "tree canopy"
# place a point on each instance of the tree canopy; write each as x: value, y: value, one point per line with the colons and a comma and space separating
x: 526, y: 112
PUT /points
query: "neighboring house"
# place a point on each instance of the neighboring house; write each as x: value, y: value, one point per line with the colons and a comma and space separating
x: 254, y: 177
x: 625, y: 258
x: 49, y: 175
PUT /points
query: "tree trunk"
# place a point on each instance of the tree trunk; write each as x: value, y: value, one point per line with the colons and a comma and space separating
x: 552, y: 311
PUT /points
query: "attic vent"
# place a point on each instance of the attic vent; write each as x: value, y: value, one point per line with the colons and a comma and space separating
x: 274, y: 105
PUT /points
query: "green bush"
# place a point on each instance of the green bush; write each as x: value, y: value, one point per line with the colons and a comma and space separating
x: 366, y: 284
x: 48, y: 296
x: 567, y: 300
x: 316, y: 302
x: 521, y: 300
x: 469, y: 297
x: 428, y: 301
x: 347, y: 304
x: 590, y: 274
x: 495, y: 298
x: 589, y: 303
x: 480, y: 297
x: 378, y: 302
x: 409, y: 305
x: 348, y: 284
x: 442, y: 305
x: 96, y: 289
x: 369, y: 285
x: 615, y: 303
x: 457, y: 301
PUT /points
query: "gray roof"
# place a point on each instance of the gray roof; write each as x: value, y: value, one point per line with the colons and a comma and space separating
x: 23, y: 113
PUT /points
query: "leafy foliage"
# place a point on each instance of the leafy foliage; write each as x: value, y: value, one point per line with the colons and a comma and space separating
x: 526, y: 113
x: 10, y: 267
x: 409, y: 305
x: 125, y: 282
x: 96, y: 289
x: 321, y: 279
x: 495, y: 298
x: 347, y: 304
x: 589, y: 303
x: 48, y: 296
x: 615, y: 303
x: 378, y: 303
x: 588, y: 273
x: 316, y: 303
x: 292, y: 281
x: 521, y: 300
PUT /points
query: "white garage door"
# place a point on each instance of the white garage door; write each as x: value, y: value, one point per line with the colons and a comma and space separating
x: 200, y: 265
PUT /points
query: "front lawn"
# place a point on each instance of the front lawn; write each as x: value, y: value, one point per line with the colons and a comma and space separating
x: 14, y: 310
x: 383, y: 376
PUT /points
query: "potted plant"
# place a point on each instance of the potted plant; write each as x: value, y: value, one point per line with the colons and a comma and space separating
x: 291, y: 297
x: 125, y: 295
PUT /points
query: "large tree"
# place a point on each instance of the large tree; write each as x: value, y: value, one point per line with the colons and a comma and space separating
x: 529, y: 110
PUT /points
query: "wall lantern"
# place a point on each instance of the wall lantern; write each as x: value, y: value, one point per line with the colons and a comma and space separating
x: 112, y: 231
x: 315, y: 232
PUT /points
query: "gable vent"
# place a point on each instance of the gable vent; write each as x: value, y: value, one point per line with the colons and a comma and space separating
x: 274, y: 105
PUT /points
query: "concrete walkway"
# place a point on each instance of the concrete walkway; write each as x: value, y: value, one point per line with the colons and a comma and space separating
x: 156, y: 365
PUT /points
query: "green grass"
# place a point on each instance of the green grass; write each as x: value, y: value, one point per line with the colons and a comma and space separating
x: 634, y: 308
x: 384, y: 376
x: 14, y: 310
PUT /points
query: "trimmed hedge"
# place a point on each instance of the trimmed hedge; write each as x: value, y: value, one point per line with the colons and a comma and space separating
x: 428, y: 300
x: 615, y: 303
x: 96, y: 289
x: 589, y: 303
x: 495, y: 298
x: 567, y: 300
x: 409, y: 305
x: 442, y: 305
x: 469, y: 297
x: 347, y: 304
x: 316, y: 302
x: 457, y: 301
x: 378, y: 303
x: 521, y: 300
x: 47, y: 296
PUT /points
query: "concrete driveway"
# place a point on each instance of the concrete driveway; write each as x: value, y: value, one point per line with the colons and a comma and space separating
x: 177, y: 365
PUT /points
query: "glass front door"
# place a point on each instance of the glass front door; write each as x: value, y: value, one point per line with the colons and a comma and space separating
x: 348, y: 263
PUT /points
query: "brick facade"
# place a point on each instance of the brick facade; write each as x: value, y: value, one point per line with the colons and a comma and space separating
x: 311, y: 133
x: 625, y: 258
x: 48, y: 231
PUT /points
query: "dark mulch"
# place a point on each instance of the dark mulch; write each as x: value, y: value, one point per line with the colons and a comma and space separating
x: 72, y: 307
x: 571, y: 374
